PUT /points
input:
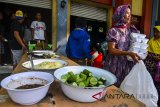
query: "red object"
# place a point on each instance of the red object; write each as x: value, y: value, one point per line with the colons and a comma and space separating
x: 97, y: 62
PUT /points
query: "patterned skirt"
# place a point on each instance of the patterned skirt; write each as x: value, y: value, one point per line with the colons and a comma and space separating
x: 119, y: 66
x: 150, y: 63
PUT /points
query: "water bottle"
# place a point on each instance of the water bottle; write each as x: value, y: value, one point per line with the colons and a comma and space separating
x: 157, y: 74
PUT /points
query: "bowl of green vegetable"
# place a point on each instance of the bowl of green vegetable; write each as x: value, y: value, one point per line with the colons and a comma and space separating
x: 84, y: 83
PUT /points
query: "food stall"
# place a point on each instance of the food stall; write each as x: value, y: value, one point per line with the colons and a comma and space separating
x: 114, y: 97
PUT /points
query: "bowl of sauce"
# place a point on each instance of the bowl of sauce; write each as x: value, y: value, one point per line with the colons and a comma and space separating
x: 27, y: 88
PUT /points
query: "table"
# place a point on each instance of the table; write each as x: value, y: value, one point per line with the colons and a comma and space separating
x: 114, y: 97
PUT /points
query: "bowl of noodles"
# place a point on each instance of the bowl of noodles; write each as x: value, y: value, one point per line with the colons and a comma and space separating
x: 45, y: 64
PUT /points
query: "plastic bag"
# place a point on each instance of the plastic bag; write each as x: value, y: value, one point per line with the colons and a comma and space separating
x: 139, y: 83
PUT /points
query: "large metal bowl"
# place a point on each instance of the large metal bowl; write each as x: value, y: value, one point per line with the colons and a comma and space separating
x: 27, y: 64
x: 86, y: 94
x: 27, y: 96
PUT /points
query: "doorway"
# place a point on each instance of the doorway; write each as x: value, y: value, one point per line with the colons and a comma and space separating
x: 95, y: 28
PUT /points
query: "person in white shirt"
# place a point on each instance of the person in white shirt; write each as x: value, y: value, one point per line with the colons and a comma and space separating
x: 39, y: 31
x: 38, y: 28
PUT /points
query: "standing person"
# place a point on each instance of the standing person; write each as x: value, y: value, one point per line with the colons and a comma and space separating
x: 17, y: 43
x: 118, y: 38
x: 2, y: 39
x: 8, y: 21
x: 78, y: 46
x: 153, y: 58
x: 97, y: 56
x: 27, y: 29
x: 39, y: 31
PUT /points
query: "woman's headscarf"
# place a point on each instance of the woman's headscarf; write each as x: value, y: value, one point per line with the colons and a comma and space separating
x: 118, y: 16
x: 157, y: 27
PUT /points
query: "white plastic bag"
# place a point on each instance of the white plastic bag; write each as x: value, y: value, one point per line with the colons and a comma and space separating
x: 139, y: 83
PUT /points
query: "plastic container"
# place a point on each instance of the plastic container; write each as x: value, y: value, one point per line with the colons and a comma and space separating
x: 144, y: 46
x: 144, y: 40
x: 136, y: 44
x: 139, y: 40
x: 142, y: 36
x: 134, y: 35
x: 134, y: 49
x: 143, y: 50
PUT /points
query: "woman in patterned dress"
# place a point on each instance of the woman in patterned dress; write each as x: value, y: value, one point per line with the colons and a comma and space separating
x: 118, y: 38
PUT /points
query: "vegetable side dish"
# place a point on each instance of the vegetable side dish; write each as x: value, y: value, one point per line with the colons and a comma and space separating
x: 83, y: 79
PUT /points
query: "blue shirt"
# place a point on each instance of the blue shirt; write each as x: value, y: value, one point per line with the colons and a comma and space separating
x: 78, y: 45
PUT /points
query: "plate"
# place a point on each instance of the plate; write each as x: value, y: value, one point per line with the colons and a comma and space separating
x: 48, y: 53
x: 41, y: 56
x: 27, y: 64
x: 41, y: 52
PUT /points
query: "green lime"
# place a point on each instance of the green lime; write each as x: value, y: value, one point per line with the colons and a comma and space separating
x: 100, y: 83
x: 103, y: 79
x: 86, y: 72
x: 93, y: 80
x: 70, y: 73
x: 81, y: 84
x: 74, y: 84
x: 64, y: 78
x: 86, y: 83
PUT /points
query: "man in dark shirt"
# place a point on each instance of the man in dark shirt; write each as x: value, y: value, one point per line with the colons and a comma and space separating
x: 2, y: 39
x: 17, y: 43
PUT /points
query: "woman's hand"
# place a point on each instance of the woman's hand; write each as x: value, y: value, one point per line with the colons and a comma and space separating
x: 134, y: 56
x: 112, y: 50
x: 24, y: 48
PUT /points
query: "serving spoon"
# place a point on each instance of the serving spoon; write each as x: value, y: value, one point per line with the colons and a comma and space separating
x: 31, y: 60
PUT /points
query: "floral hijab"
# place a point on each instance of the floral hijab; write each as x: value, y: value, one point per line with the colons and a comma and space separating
x: 118, y: 16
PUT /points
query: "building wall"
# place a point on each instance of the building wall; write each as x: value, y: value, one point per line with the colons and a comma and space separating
x: 147, y: 16
x: 137, y: 7
x: 62, y: 26
x: 158, y: 13
x: 107, y: 2
x: 154, y: 14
